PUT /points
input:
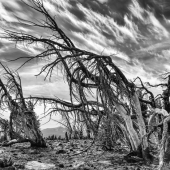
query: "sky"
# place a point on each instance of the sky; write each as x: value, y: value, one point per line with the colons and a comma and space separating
x: 136, y: 33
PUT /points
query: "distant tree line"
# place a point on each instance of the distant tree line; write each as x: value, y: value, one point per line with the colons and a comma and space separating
x: 68, y: 136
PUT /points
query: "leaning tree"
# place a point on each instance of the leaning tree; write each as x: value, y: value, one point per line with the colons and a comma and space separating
x: 23, y: 124
x: 94, y: 82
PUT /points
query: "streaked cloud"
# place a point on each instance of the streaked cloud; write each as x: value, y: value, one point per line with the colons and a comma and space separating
x: 134, y: 32
x: 101, y: 32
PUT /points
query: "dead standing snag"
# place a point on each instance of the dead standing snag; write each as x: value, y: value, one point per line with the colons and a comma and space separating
x: 23, y: 124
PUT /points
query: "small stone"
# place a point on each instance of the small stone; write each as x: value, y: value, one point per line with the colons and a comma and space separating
x: 34, y: 165
x: 33, y: 152
x: 87, y: 168
x: 61, y: 165
x: 19, y: 165
x: 105, y: 162
x: 14, y: 150
x: 78, y: 164
x: 61, y: 151
x: 1, y: 151
x: 60, y: 144
x: 4, y: 162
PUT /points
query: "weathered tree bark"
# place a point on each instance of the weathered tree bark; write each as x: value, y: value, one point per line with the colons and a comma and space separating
x: 142, y: 129
x: 21, y: 114
x: 88, y: 133
x: 163, y: 142
x: 4, y: 125
x: 133, y: 136
x: 31, y: 129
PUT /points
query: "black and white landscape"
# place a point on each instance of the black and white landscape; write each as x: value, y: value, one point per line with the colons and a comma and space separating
x: 84, y: 84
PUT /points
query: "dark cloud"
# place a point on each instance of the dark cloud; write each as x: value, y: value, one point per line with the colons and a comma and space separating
x: 28, y: 11
x: 159, y: 7
x: 76, y: 11
x: 68, y: 25
x: 12, y: 54
x: 155, y: 66
x: 106, y: 25
x: 93, y: 5
x: 1, y: 45
x: 120, y: 6
x: 112, y: 8
x: 9, y: 9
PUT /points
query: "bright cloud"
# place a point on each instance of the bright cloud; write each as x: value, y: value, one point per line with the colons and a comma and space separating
x: 102, y: 1
x: 136, y: 10
x: 157, y: 26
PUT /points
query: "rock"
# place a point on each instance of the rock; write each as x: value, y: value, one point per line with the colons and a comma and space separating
x: 34, y: 165
x: 19, y: 165
x: 14, y: 150
x: 60, y: 144
x: 132, y: 159
x: 99, y: 152
x: 1, y: 151
x: 82, y: 167
x: 13, y: 140
x: 34, y: 151
x: 56, y: 144
x: 4, y: 162
x: 61, y: 151
x: 61, y: 165
x: 77, y: 164
x: 105, y: 162
x: 87, y: 168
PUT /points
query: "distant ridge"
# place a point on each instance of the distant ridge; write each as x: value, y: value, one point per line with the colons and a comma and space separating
x: 58, y: 131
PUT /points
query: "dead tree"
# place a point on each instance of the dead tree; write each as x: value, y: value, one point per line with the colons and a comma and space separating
x: 86, y: 71
x: 23, y: 124
x: 4, y: 125
x: 159, y: 120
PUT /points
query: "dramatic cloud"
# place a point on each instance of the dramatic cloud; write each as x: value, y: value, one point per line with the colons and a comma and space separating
x: 135, y: 33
